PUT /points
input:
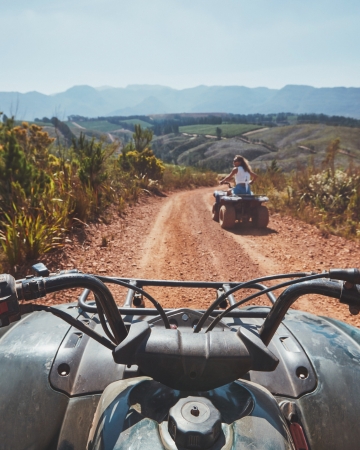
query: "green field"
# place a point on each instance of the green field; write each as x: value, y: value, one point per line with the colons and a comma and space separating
x: 103, y: 126
x: 228, y: 129
x: 138, y: 122
x: 39, y: 124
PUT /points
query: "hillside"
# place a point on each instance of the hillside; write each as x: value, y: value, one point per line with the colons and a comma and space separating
x: 297, y: 143
x: 146, y: 99
x: 292, y: 146
x: 205, y: 152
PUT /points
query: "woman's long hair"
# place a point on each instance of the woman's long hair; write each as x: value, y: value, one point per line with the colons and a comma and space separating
x: 244, y: 163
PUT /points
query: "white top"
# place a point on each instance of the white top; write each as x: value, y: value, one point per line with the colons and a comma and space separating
x: 242, y: 176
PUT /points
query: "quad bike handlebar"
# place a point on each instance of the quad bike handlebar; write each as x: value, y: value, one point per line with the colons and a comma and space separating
x: 178, y: 378
x: 181, y: 360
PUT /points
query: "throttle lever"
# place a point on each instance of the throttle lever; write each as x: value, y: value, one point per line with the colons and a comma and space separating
x: 351, y: 296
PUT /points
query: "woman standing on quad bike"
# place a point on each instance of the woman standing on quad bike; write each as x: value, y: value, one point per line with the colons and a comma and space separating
x: 242, y: 173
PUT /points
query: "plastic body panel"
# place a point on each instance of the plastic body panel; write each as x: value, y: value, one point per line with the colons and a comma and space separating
x: 31, y: 412
x: 34, y: 413
x: 37, y: 415
x: 330, y: 414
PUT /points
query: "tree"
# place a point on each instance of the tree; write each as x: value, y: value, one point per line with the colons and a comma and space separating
x: 92, y: 156
x: 142, y: 138
x: 64, y: 129
x: 137, y: 156
x: 14, y: 166
x: 35, y: 143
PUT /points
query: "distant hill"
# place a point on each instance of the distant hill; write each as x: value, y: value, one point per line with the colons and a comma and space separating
x: 147, y: 99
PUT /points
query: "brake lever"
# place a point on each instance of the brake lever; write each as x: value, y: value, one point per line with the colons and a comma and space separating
x: 9, y: 304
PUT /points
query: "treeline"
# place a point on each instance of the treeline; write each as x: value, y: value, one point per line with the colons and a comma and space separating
x: 269, y: 120
x: 116, y: 120
x: 166, y: 124
x: 328, y: 120
x: 47, y: 189
x: 59, y: 125
x: 111, y: 119
x: 159, y: 125
x: 288, y: 118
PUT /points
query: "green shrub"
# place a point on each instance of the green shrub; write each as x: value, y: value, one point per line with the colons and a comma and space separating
x: 328, y: 198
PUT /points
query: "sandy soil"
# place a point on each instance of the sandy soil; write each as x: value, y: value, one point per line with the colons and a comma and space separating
x: 175, y: 238
x: 254, y: 132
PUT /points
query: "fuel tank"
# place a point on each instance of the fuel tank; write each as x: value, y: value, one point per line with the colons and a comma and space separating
x: 134, y: 414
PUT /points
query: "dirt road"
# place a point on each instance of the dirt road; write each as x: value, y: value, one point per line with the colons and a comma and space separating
x: 175, y: 238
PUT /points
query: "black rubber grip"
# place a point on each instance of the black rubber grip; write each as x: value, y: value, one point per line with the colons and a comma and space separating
x: 350, y: 275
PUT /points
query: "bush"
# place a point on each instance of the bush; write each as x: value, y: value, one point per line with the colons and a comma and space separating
x: 43, y: 195
x: 328, y: 198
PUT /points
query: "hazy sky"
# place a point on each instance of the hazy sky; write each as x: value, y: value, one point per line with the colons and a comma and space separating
x: 52, y: 45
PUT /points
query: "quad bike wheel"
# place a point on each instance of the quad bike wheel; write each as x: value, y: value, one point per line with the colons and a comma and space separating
x: 215, y: 212
x: 261, y: 217
x: 227, y: 216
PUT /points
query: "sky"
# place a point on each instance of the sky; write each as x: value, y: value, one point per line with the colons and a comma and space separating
x: 51, y: 45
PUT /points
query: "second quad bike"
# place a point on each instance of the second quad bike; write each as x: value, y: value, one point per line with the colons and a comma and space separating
x: 96, y: 376
x: 231, y: 209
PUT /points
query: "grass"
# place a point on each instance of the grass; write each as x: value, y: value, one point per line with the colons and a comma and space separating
x: 102, y: 126
x: 182, y: 177
x: 228, y: 129
x: 138, y: 122
x: 40, y: 124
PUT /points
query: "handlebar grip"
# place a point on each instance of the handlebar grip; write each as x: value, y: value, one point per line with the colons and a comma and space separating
x: 31, y: 288
x: 350, y: 275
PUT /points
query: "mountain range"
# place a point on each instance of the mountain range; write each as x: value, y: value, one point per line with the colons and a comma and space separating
x: 152, y: 99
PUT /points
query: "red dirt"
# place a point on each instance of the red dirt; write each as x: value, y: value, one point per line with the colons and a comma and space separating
x: 175, y: 238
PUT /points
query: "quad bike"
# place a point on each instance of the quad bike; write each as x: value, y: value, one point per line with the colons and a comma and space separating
x: 91, y: 375
x: 229, y: 209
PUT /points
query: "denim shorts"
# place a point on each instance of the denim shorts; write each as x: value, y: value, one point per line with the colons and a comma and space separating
x: 241, y: 189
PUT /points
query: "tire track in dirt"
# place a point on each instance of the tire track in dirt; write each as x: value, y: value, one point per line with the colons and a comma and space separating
x: 186, y: 244
x: 175, y: 238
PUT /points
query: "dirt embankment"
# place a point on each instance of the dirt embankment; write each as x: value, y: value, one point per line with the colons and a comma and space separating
x: 175, y: 238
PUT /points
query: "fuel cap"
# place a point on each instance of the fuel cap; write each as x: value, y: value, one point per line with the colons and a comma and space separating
x: 194, y: 423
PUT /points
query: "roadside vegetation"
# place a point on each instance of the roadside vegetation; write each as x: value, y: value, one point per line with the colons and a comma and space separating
x: 54, y: 177
x: 327, y: 196
x: 47, y: 188
x: 182, y: 138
